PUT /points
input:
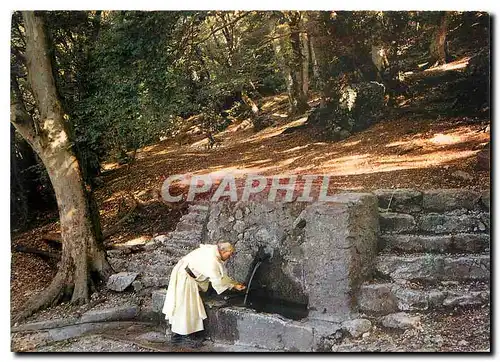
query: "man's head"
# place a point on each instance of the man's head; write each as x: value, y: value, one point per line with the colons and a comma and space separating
x: 226, y: 250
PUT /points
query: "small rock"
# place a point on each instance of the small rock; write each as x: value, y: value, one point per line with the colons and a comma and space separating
x: 400, y: 320
x: 230, y: 219
x: 366, y: 335
x: 119, y: 282
x: 463, y: 343
x: 238, y: 214
x: 357, y: 327
x: 161, y: 239
x: 137, y: 285
x: 239, y: 226
x: 462, y: 175
x: 439, y: 341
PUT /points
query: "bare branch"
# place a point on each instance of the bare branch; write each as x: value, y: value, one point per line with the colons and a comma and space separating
x: 223, y: 27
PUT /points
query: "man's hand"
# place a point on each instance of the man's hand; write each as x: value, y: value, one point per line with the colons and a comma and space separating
x: 240, y: 287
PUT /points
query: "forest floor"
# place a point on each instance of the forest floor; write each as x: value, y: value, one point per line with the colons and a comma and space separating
x: 405, y: 149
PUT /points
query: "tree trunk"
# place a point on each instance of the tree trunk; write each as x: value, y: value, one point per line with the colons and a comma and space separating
x: 82, y: 252
x: 313, y: 27
x: 299, y: 97
x: 437, y: 49
x: 305, y: 63
x: 278, y: 45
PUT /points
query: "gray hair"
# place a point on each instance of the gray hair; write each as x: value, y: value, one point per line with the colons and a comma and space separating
x: 225, y: 246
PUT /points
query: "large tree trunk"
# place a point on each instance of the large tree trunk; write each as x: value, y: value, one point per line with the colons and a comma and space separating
x: 82, y: 251
x: 298, y: 73
x: 316, y: 59
x: 278, y: 47
x: 437, y: 49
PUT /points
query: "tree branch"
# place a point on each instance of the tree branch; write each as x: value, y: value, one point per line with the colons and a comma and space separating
x: 222, y: 27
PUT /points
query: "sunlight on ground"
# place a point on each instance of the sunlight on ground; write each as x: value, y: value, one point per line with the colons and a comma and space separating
x: 459, y: 64
x: 361, y: 164
x: 460, y: 135
x: 295, y: 149
x: 141, y: 240
x: 442, y: 139
x: 274, y: 101
x: 353, y: 143
x: 272, y: 132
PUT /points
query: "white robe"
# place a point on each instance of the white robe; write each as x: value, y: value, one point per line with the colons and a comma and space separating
x: 183, y: 305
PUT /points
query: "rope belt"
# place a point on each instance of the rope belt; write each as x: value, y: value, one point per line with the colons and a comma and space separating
x: 190, y: 273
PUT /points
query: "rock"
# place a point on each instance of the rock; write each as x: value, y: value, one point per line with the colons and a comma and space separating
x: 377, y: 298
x: 468, y: 299
x: 239, y: 226
x: 357, y: 327
x: 158, y: 299
x: 471, y: 243
x: 358, y: 106
x: 462, y: 176
x: 151, y: 246
x: 485, y: 199
x: 463, y: 343
x: 399, y: 200
x: 446, y: 224
x: 238, y: 214
x: 439, y: 340
x: 400, y: 320
x: 162, y: 239
x: 119, y: 282
x: 416, y: 243
x: 483, y: 159
x: 396, y: 222
x: 137, y: 285
x: 110, y: 314
x: 450, y: 199
x: 115, y: 253
x: 434, y: 267
x: 299, y: 222
x: 153, y: 337
x: 366, y: 335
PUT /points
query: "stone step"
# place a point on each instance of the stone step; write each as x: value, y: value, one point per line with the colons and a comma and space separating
x: 385, y: 298
x: 449, y: 223
x: 183, y: 238
x: 194, y: 217
x: 411, y: 201
x: 434, y: 267
x: 189, y: 227
x: 434, y: 223
x: 200, y: 208
x: 451, y: 243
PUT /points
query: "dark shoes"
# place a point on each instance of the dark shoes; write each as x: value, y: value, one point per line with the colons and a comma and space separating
x: 185, y: 341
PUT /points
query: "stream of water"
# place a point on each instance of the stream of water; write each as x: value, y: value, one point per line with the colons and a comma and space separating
x: 250, y: 282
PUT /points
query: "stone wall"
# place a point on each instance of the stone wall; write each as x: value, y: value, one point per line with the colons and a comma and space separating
x: 320, y: 253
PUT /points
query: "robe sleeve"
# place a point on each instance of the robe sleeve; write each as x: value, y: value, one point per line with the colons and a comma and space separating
x: 205, y: 263
x: 217, y: 274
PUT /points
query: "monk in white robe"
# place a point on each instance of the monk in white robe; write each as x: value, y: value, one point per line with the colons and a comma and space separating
x: 183, y: 306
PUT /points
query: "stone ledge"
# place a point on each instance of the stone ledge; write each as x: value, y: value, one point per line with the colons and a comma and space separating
x: 434, y: 267
x: 450, y: 199
x: 415, y: 243
x: 387, y: 298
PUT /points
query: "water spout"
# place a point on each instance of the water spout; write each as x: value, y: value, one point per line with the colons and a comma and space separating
x: 261, y: 256
x: 250, y: 281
